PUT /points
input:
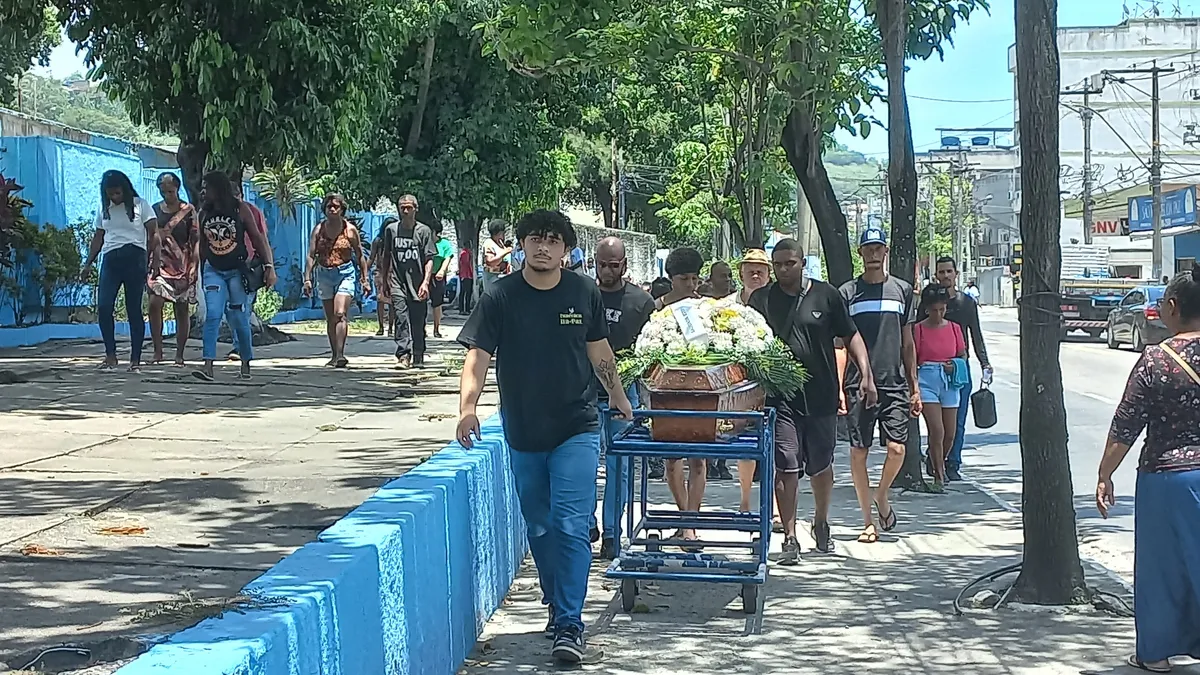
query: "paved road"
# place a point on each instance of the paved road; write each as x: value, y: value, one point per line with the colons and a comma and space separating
x: 1093, y: 378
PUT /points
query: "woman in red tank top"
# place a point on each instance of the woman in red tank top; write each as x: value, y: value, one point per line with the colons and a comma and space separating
x: 938, y: 343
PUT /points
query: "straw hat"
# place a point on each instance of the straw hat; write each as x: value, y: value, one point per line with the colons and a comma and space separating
x: 755, y: 255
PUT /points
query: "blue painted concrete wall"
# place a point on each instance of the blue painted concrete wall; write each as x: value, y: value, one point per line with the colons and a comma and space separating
x: 403, y: 585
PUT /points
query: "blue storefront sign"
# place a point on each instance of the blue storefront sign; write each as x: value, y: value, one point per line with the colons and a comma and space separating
x: 1178, y: 209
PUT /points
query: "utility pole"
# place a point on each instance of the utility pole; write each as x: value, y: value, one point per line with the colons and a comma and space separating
x: 1086, y: 115
x: 622, y: 188
x: 1154, y: 71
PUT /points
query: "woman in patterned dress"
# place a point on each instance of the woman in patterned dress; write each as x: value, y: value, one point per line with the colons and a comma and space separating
x: 179, y: 246
x: 1163, y: 397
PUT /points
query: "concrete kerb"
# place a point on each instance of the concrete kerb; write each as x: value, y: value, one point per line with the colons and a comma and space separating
x: 404, y: 584
x: 1012, y: 508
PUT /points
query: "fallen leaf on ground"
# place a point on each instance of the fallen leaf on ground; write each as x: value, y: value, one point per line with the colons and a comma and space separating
x: 125, y: 530
x: 38, y: 549
x: 487, y: 648
x: 436, y: 417
x: 327, y: 427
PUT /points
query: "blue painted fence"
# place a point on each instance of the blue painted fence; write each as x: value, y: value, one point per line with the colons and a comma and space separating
x: 403, y: 585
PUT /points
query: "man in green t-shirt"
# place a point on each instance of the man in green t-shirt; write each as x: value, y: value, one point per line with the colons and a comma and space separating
x: 441, y: 269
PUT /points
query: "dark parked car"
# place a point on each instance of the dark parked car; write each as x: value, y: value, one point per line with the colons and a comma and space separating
x: 1135, y: 321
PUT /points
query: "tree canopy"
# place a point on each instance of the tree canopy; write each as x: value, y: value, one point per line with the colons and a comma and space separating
x: 28, y: 31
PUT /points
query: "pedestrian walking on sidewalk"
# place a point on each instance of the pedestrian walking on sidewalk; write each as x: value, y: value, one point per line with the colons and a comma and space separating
x: 1163, y: 398
x: 810, y: 317
x: 496, y: 253
x: 335, y: 256
x: 963, y: 309
x: 179, y: 247
x: 941, y: 369
x: 627, y: 308
x: 127, y: 238
x: 466, y: 281
x: 550, y: 325
x: 225, y: 222
x: 882, y: 309
x: 754, y: 270
x: 408, y: 252
x: 383, y: 304
x: 441, y: 269
x: 252, y: 254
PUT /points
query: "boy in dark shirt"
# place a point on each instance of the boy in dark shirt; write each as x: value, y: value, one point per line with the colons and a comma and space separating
x: 882, y: 308
x: 550, y: 324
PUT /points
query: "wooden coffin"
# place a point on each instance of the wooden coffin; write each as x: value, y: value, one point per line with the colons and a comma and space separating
x: 723, y: 387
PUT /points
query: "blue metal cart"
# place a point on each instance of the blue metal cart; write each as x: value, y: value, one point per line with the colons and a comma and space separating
x: 644, y: 558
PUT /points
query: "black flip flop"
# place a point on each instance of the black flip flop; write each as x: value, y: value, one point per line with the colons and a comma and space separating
x: 889, y: 523
x: 1134, y: 662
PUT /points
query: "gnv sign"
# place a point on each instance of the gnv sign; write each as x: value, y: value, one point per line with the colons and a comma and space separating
x: 1109, y: 227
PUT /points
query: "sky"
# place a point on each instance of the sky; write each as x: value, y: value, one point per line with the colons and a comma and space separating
x: 973, y: 83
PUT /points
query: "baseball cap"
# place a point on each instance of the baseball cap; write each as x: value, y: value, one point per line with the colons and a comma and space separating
x: 755, y: 255
x: 873, y: 235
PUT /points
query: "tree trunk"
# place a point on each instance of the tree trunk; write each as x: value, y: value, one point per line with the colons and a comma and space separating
x: 802, y: 144
x: 414, y: 131
x: 192, y: 156
x: 1051, y: 573
x: 892, y: 16
x: 466, y: 232
x: 604, y: 198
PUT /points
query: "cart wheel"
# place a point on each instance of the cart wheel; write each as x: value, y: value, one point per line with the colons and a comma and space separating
x: 628, y: 594
x: 653, y: 548
x: 750, y: 598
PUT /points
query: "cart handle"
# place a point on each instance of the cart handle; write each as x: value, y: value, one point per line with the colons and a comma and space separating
x: 695, y: 414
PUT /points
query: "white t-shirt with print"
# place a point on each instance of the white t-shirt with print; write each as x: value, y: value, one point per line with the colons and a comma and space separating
x: 119, y: 230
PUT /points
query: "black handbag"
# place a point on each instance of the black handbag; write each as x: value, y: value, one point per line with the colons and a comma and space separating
x: 254, y: 275
x: 983, y: 406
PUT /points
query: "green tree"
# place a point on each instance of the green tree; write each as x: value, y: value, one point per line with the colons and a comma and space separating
x: 87, y: 108
x: 244, y: 83
x: 28, y: 31
x: 469, y: 137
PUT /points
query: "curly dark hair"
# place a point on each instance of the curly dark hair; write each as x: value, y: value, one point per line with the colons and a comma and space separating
x: 684, y: 260
x: 219, y: 197
x: 544, y: 222
x: 117, y: 179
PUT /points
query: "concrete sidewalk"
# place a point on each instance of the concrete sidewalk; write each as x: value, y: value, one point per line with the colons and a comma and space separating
x: 135, y: 505
x: 868, y: 608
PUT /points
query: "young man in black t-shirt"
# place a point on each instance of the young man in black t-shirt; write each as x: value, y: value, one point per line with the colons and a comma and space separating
x: 409, y: 248
x: 810, y: 317
x: 882, y: 308
x: 550, y: 325
x: 627, y: 308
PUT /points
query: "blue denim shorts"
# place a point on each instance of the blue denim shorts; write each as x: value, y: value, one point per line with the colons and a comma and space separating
x: 333, y: 281
x: 935, y: 386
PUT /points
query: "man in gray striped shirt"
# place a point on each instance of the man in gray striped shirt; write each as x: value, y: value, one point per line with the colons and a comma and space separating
x: 882, y: 309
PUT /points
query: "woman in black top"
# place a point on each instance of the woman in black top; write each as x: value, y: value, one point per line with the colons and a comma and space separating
x: 1163, y: 398
x: 225, y: 222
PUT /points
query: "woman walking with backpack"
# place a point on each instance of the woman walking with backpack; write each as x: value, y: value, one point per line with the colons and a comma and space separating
x: 225, y: 223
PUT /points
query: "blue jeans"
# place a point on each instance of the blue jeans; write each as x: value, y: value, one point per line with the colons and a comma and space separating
x: 616, y: 487
x: 125, y: 266
x: 557, y: 491
x: 954, y: 459
x: 224, y: 289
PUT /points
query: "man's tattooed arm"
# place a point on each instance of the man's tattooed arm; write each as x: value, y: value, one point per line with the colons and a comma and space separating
x: 605, y: 365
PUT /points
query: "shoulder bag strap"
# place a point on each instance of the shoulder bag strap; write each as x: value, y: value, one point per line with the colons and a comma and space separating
x: 790, y: 322
x: 1187, y: 367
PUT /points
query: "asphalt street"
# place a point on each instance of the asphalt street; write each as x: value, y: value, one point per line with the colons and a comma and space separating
x: 1093, y: 379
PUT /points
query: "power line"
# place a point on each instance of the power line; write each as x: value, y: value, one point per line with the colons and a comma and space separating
x: 959, y: 100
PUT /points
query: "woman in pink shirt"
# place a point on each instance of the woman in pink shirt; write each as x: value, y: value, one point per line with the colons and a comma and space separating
x: 939, y: 342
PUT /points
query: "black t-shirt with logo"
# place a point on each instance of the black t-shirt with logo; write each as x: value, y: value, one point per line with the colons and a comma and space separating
x: 222, y: 240
x: 626, y: 310
x: 880, y: 311
x: 820, y: 316
x: 544, y: 375
x: 408, y: 250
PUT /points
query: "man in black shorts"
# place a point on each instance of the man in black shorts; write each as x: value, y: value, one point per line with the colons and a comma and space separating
x: 809, y: 316
x: 882, y: 308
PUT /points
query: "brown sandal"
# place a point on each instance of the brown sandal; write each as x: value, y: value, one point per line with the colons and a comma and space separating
x: 869, y: 535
